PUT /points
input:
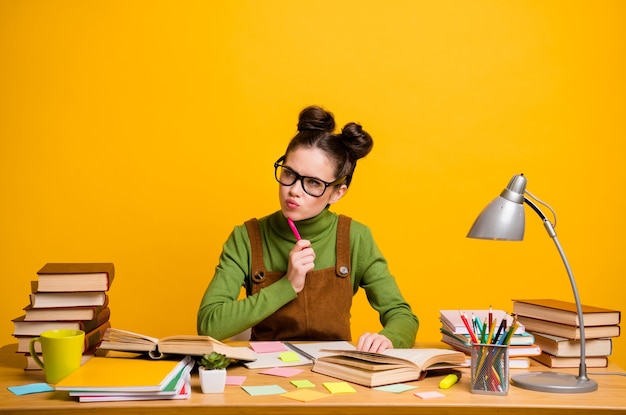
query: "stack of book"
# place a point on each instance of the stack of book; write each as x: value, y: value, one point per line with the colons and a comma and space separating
x: 454, y: 333
x: 556, y: 328
x: 103, y: 379
x: 66, y: 296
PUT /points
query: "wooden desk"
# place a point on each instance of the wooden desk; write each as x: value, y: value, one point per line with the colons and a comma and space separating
x: 610, y: 398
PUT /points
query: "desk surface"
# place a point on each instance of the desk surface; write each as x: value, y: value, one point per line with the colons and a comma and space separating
x: 610, y: 398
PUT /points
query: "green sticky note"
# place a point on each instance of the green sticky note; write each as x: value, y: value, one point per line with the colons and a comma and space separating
x: 264, y: 390
x: 303, y: 383
x: 289, y: 357
x: 339, y: 387
x: 396, y: 388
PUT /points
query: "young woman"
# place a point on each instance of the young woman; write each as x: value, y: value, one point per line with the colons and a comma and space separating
x: 300, y: 281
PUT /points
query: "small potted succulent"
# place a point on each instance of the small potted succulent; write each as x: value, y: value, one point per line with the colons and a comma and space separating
x: 212, y: 372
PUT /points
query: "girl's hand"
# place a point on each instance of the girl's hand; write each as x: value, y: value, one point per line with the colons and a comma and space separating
x: 301, y: 261
x: 373, y: 342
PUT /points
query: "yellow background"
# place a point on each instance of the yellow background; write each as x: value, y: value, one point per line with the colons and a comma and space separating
x: 141, y: 132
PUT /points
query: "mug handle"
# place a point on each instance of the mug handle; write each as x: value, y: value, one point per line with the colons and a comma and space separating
x: 32, y: 351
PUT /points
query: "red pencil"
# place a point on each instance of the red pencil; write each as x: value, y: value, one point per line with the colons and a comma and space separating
x: 469, y: 328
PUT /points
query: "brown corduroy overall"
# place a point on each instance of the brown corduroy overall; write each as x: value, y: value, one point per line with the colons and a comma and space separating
x: 322, y: 309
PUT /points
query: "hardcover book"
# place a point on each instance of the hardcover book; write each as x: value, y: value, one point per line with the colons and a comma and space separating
x: 563, y: 347
x: 67, y: 299
x: 92, y: 340
x: 564, y: 312
x: 519, y: 362
x: 563, y: 362
x: 391, y: 366
x: 520, y: 339
x: 194, y: 345
x: 64, y: 277
x: 35, y: 328
x: 570, y: 332
x: 63, y: 313
x: 514, y: 351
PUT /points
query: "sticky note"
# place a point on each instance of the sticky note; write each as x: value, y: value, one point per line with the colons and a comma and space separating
x: 429, y: 395
x: 268, y: 347
x: 32, y: 388
x: 339, y: 387
x: 235, y: 380
x: 396, y: 388
x: 289, y: 357
x: 305, y: 395
x: 264, y: 390
x: 284, y: 372
x: 302, y: 383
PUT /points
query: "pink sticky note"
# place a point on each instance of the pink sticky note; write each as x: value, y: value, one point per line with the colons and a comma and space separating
x: 268, y: 347
x: 235, y: 380
x: 282, y: 371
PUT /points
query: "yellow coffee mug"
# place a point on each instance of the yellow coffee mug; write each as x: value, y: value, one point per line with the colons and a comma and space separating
x: 62, y: 352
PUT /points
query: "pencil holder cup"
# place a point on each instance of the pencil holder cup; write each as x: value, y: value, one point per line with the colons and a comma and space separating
x: 490, y: 369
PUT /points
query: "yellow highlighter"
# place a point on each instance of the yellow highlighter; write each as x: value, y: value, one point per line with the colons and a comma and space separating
x: 449, y: 381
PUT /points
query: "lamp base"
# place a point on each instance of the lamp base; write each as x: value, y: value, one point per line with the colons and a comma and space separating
x: 553, y: 382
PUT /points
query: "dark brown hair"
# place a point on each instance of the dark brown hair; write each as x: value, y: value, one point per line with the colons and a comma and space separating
x: 316, y: 130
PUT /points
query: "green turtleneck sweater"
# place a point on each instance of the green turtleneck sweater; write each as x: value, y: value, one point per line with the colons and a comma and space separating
x: 222, y: 314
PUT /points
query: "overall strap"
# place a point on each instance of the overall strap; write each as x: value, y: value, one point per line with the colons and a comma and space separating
x: 342, y: 267
x: 256, y: 244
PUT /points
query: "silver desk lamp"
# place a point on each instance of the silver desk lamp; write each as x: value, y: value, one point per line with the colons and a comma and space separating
x: 503, y: 219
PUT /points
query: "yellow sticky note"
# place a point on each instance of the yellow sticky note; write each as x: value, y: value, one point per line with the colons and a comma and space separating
x: 303, y: 383
x: 305, y: 395
x: 339, y: 387
x: 289, y: 357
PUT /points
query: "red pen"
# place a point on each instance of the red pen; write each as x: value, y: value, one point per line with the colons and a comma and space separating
x: 294, y: 229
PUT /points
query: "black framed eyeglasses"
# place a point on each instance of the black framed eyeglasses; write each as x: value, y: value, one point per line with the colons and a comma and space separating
x: 311, y: 185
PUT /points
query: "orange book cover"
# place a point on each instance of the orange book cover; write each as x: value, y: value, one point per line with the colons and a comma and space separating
x: 122, y: 374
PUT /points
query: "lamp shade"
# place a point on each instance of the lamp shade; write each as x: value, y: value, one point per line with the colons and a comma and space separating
x: 503, y: 218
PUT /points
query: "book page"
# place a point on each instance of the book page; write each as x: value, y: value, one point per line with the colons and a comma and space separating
x: 124, y: 336
x: 420, y: 358
x: 189, y: 338
x: 424, y: 358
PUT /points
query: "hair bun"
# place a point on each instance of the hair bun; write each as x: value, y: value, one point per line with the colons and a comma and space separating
x: 358, y: 142
x: 316, y: 118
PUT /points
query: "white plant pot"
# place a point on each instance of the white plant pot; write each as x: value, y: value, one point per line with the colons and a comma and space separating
x: 212, y: 380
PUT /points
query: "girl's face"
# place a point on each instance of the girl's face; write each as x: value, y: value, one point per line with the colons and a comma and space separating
x: 295, y: 203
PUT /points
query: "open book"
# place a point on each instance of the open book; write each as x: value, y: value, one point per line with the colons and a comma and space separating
x: 127, y: 341
x: 391, y: 366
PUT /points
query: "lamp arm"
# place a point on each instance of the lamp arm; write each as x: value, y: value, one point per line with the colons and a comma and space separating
x: 582, y: 370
